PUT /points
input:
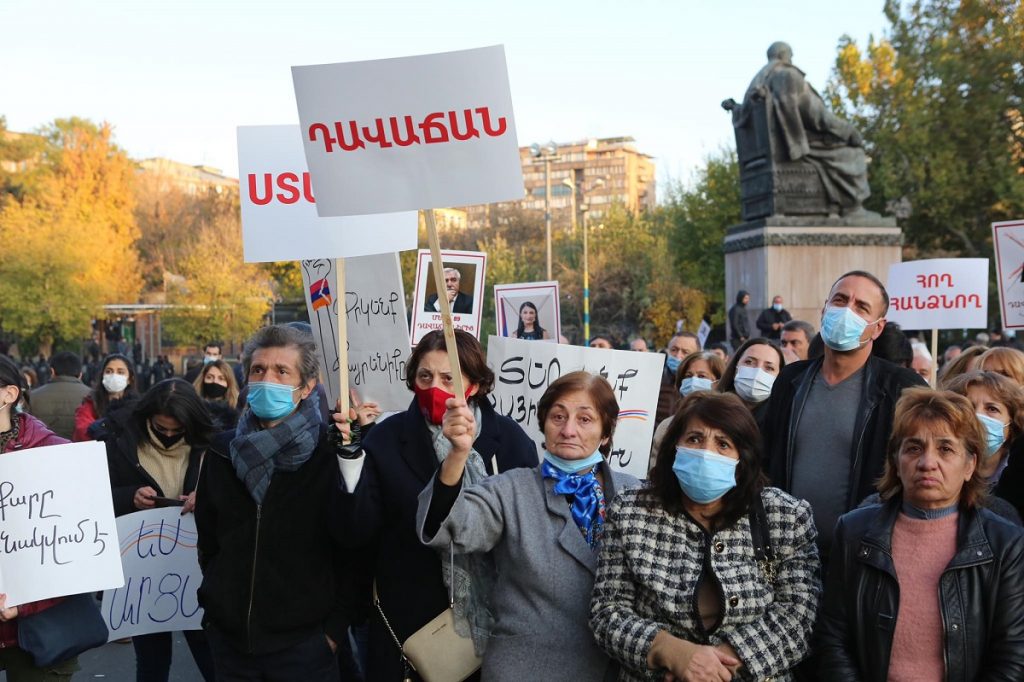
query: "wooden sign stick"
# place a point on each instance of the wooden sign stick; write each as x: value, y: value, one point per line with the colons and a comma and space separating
x: 339, y: 297
x: 446, y: 308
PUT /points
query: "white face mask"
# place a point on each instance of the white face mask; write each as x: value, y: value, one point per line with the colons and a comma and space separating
x: 115, y: 383
x: 753, y: 384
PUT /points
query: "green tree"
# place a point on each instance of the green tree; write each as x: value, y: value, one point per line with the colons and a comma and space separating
x: 939, y: 99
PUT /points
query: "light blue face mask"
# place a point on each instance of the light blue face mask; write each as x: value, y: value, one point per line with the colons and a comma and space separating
x: 994, y: 430
x: 573, y: 466
x: 270, y: 400
x: 841, y: 328
x: 673, y: 363
x: 703, y: 475
x: 692, y: 384
x: 777, y: 307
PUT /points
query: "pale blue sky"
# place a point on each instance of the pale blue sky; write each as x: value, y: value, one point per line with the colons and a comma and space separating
x: 176, y: 77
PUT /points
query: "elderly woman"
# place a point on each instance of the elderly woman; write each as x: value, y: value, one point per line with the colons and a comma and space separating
x: 751, y: 374
x: 1003, y: 360
x: 376, y: 505
x: 707, y: 574
x: 542, y: 526
x: 928, y: 585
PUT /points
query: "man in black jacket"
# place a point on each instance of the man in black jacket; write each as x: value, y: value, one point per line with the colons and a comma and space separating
x: 771, y: 320
x: 739, y: 323
x: 828, y: 420
x: 271, y: 573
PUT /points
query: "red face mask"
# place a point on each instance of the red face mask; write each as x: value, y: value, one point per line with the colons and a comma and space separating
x: 432, y: 402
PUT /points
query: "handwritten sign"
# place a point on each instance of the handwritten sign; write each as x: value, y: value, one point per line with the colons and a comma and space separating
x: 378, y: 331
x: 529, y: 310
x: 161, y: 568
x: 279, y: 218
x: 940, y: 293
x: 464, y: 286
x: 415, y: 132
x: 57, y: 532
x: 523, y: 371
x: 1008, y: 240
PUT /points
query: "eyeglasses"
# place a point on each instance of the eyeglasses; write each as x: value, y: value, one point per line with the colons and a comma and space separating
x: 165, y: 432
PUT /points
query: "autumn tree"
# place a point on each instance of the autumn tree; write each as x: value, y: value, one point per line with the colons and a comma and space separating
x: 69, y: 235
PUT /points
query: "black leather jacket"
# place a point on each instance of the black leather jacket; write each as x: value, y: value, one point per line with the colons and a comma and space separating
x: 981, y: 595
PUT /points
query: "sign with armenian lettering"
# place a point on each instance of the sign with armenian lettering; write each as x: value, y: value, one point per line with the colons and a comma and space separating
x: 939, y: 293
x: 430, y: 131
x: 279, y: 218
x: 1008, y: 240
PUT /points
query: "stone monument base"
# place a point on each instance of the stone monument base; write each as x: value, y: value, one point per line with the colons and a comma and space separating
x: 800, y: 258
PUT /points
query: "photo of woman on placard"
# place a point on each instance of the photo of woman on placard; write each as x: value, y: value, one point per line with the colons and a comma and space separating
x: 529, y: 325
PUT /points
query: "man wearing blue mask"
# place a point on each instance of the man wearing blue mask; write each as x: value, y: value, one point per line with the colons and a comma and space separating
x: 828, y: 420
x: 771, y: 320
x: 679, y: 346
x: 271, y: 573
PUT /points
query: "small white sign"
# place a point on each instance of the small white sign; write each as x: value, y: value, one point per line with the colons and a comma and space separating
x: 940, y: 293
x: 161, y: 568
x: 528, y: 311
x: 1008, y: 240
x: 57, y: 531
x: 524, y: 370
x: 378, y: 329
x: 464, y: 287
x: 703, y: 332
x: 279, y: 218
x: 429, y: 131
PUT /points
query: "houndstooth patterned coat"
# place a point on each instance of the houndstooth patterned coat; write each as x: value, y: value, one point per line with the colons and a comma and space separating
x: 651, y: 562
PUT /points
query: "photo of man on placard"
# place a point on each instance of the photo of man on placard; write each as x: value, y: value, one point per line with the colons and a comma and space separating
x: 461, y: 299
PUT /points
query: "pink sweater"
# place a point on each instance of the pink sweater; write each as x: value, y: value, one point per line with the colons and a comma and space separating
x: 921, y: 550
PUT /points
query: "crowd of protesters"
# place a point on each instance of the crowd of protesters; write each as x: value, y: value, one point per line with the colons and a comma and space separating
x: 813, y: 509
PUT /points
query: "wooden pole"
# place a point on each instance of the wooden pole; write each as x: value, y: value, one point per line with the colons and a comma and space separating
x: 446, y: 308
x: 935, y: 357
x: 339, y: 297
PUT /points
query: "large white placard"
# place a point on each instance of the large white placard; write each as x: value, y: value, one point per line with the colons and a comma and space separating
x: 57, y: 531
x: 378, y: 330
x: 279, y: 217
x: 523, y: 370
x: 161, y: 568
x: 1008, y: 240
x: 464, y: 285
x: 429, y: 131
x: 940, y: 293
x: 514, y: 303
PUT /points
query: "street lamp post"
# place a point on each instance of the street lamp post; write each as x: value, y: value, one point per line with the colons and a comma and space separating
x: 567, y: 182
x: 599, y: 182
x: 547, y: 153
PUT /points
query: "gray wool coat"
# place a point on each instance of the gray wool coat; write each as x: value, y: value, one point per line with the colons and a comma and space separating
x: 541, y: 601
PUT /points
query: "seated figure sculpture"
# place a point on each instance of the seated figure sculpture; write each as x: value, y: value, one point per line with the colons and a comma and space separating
x: 796, y: 157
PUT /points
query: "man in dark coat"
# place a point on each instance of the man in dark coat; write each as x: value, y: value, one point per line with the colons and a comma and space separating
x: 771, y: 320
x: 739, y: 323
x: 460, y: 303
x: 55, y: 403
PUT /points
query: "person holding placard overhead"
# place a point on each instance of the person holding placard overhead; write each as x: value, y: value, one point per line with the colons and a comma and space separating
x: 20, y: 431
x: 375, y: 508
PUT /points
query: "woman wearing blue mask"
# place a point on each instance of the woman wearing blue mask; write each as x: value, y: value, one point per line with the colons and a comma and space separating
x: 699, y: 371
x: 751, y: 374
x: 542, y: 526
x: 707, y: 573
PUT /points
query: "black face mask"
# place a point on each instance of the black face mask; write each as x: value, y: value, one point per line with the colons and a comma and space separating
x: 166, y: 441
x: 214, y: 391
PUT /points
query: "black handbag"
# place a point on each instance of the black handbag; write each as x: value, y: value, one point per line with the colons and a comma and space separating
x: 62, y: 631
x: 764, y: 555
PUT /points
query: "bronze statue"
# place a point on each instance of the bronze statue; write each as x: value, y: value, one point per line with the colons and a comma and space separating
x: 796, y: 157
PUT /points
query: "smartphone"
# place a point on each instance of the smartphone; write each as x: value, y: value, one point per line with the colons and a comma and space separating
x: 167, y: 501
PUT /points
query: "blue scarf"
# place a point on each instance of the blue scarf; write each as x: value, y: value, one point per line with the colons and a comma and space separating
x: 587, y: 505
x: 257, y: 453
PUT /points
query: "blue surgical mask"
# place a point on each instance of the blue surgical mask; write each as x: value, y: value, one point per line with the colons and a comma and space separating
x: 704, y: 476
x: 841, y: 328
x: 777, y: 307
x: 573, y: 466
x: 270, y: 400
x: 692, y: 384
x: 673, y: 363
x: 207, y: 359
x: 994, y: 430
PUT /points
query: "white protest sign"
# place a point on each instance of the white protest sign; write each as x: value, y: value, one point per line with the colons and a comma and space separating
x: 703, y: 332
x: 401, y: 134
x: 940, y: 293
x: 523, y: 370
x: 1008, y: 240
x: 57, y: 531
x: 378, y: 331
x: 529, y: 310
x: 279, y: 218
x: 464, y: 286
x: 161, y: 568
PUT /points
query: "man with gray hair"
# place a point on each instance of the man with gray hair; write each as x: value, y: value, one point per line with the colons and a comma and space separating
x: 271, y: 573
x: 460, y: 303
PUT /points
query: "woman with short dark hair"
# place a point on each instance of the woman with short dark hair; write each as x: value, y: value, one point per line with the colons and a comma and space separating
x: 707, y: 574
x: 928, y: 584
x: 376, y: 504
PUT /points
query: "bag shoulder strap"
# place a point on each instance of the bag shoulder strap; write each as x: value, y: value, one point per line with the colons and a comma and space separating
x: 759, y: 535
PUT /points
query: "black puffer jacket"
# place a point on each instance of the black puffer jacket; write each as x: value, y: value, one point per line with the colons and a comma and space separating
x: 981, y: 596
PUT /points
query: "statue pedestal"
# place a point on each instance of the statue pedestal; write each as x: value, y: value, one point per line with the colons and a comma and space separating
x: 800, y: 258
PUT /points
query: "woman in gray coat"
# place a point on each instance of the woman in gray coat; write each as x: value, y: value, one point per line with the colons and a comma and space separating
x: 542, y: 527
